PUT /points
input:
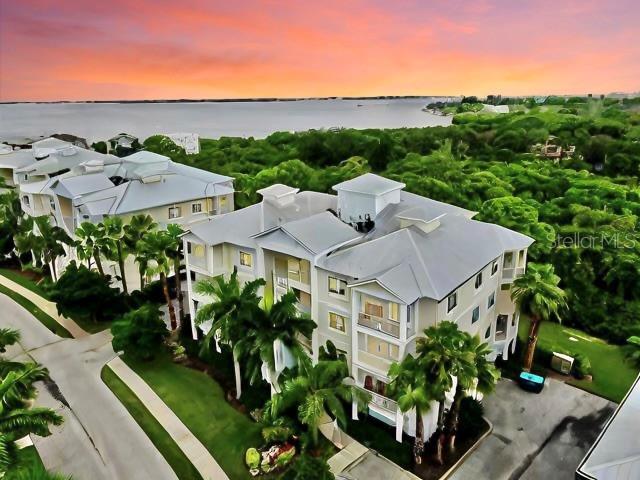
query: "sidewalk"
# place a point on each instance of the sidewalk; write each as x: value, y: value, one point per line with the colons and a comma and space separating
x: 45, y: 305
x: 186, y: 441
x: 197, y: 454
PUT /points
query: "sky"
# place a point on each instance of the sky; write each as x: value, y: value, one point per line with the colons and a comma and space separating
x: 158, y: 49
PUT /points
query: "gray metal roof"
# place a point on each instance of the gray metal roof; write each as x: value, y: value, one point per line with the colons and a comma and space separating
x: 440, y: 260
x: 71, y: 187
x: 370, y: 184
x: 616, y: 453
x: 316, y: 240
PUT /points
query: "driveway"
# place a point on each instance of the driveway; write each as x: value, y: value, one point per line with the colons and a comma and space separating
x: 536, y: 436
x: 99, y: 439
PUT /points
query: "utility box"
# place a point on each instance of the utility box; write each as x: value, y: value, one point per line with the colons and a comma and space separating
x: 561, y: 363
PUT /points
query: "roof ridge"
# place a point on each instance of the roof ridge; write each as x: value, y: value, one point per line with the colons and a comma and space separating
x: 419, y: 254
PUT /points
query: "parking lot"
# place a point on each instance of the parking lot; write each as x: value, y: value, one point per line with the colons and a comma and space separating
x: 536, y: 436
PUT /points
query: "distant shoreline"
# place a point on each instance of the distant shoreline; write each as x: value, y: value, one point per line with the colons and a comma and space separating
x: 229, y: 100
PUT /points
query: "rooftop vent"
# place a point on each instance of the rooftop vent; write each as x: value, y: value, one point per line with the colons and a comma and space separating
x: 279, y: 194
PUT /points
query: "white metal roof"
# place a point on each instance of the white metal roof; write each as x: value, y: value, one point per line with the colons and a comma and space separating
x: 370, y: 184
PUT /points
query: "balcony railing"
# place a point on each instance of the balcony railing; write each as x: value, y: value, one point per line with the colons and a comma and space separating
x: 511, y: 273
x: 386, y: 325
x: 378, y: 362
x: 382, y: 401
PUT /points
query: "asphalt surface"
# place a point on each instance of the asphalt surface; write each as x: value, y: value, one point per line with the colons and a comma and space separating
x: 536, y: 436
x: 99, y: 439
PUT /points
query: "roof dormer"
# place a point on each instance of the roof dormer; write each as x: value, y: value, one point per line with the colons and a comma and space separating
x: 363, y: 198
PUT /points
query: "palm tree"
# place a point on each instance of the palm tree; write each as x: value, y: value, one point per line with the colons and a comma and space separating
x: 8, y: 336
x: 90, y: 244
x: 233, y: 308
x: 53, y: 239
x: 408, y: 387
x: 538, y: 295
x: 153, y: 250
x: 27, y: 241
x: 114, y: 232
x: 441, y: 355
x: 137, y: 228
x: 475, y: 371
x: 16, y: 418
x: 632, y: 350
x: 316, y: 391
x: 174, y: 252
x: 282, y: 321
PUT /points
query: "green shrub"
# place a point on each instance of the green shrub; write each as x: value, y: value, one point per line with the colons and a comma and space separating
x: 581, y: 365
x: 471, y: 421
x: 285, y: 457
x: 252, y: 458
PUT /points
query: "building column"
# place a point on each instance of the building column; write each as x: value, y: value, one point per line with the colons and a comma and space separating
x: 399, y: 424
x: 355, y: 308
x: 315, y: 340
x: 354, y: 410
x: 192, y: 309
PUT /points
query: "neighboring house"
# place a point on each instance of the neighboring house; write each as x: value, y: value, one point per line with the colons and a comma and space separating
x: 72, y: 185
x: 616, y: 453
x: 122, y: 140
x: 373, y: 266
x: 552, y: 150
x: 190, y: 142
x: 73, y: 139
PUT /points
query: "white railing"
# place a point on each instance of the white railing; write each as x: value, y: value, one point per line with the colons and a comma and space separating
x: 380, y: 363
x: 382, y: 401
x: 386, y: 325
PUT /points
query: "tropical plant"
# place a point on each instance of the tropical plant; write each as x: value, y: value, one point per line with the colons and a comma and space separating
x: 538, y: 295
x: 90, y: 244
x: 35, y: 472
x: 152, y: 252
x: 10, y: 217
x: 233, y: 308
x: 475, y: 371
x: 137, y: 228
x: 306, y: 467
x: 441, y: 354
x: 84, y: 293
x: 632, y: 350
x: 115, y: 249
x: 317, y: 392
x: 282, y: 322
x: 174, y: 252
x: 17, y: 419
x: 8, y: 336
x: 409, y: 388
x: 140, y: 332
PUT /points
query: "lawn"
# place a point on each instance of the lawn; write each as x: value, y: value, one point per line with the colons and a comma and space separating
x: 28, y: 461
x: 180, y: 464
x: 612, y: 375
x: 45, y: 319
x: 23, y: 278
x: 200, y: 403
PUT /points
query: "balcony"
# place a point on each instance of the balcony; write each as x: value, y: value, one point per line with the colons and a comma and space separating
x: 385, y: 325
x: 510, y: 273
x: 379, y: 363
x: 381, y: 401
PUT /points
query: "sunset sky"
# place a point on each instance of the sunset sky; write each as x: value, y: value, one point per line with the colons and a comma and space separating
x: 146, y: 49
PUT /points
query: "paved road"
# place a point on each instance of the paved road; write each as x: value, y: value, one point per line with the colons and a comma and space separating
x: 536, y: 436
x: 99, y: 439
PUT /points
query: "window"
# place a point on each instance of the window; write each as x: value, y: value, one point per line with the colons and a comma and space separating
x: 394, y: 311
x: 521, y: 258
x: 25, y: 200
x: 337, y: 322
x: 452, y: 301
x: 487, y: 334
x: 373, y: 309
x: 505, y: 286
x: 492, y: 300
x: 174, y: 212
x: 222, y: 202
x: 337, y: 286
x: 52, y: 204
x: 189, y: 247
x: 196, y: 208
x: 478, y: 280
x: 494, y: 267
x: 475, y: 315
x: 508, y: 260
x: 246, y: 259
